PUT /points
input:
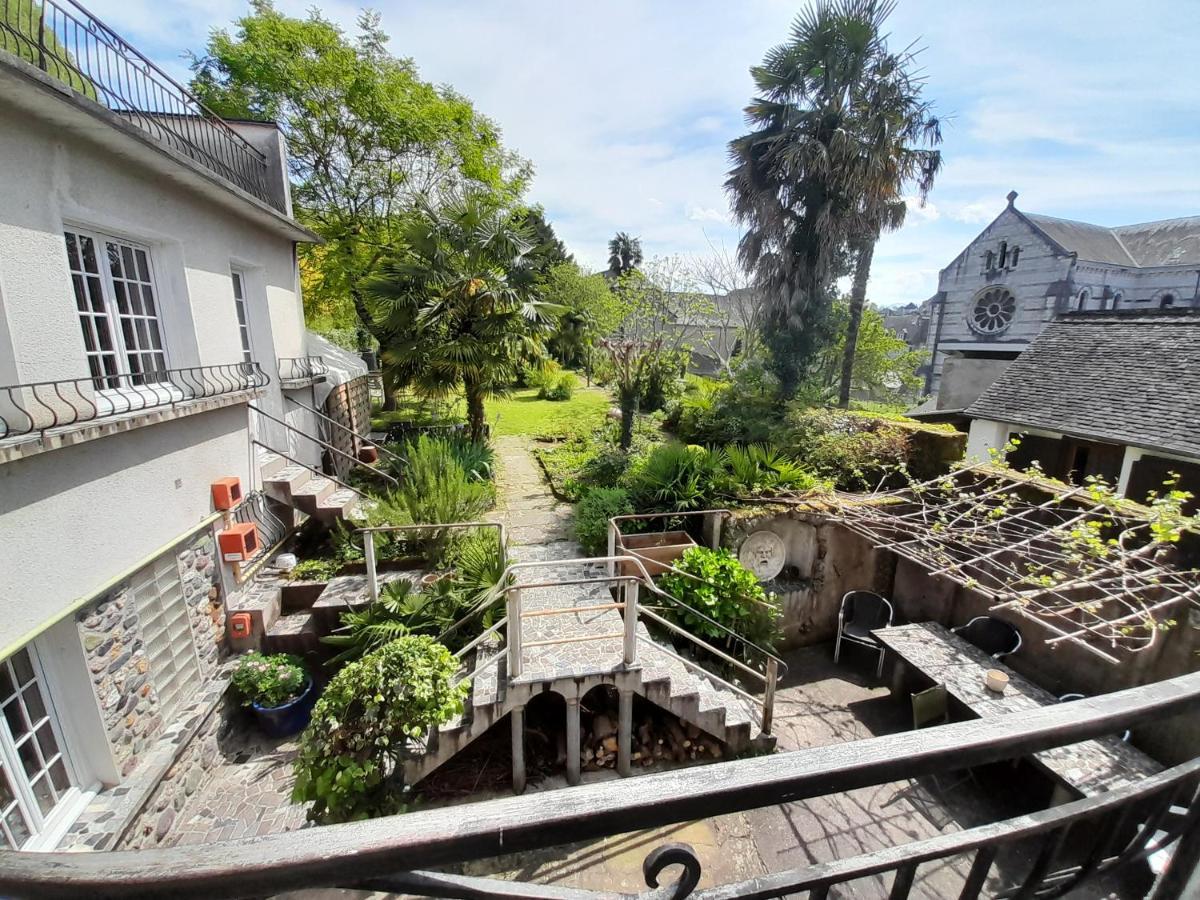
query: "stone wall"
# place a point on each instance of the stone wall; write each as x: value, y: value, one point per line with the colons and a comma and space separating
x: 824, y: 561
x: 114, y: 646
x: 191, y: 768
x: 201, y: 579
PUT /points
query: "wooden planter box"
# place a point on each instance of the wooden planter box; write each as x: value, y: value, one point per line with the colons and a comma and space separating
x: 657, y: 550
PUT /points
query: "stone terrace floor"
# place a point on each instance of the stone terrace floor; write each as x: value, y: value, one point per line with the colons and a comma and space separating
x: 819, y: 703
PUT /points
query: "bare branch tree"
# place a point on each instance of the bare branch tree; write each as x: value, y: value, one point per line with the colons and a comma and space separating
x: 736, y: 304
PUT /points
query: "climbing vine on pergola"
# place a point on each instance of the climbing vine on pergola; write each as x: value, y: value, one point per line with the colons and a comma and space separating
x: 1087, y: 566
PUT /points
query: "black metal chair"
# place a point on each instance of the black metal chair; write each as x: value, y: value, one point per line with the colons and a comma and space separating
x: 860, y: 614
x: 992, y: 636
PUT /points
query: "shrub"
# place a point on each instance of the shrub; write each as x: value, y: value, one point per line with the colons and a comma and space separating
x: 858, y: 453
x: 676, y: 478
x: 591, y: 518
x: 314, y: 570
x: 351, y: 750
x: 763, y: 468
x: 743, y: 411
x: 562, y: 387
x: 478, y: 460
x: 728, y: 593
x: 269, y: 680
x: 435, y: 487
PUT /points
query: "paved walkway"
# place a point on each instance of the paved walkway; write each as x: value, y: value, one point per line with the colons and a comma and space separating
x: 541, y: 528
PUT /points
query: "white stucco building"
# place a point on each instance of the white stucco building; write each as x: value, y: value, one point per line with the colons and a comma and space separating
x: 1023, y: 269
x: 149, y: 294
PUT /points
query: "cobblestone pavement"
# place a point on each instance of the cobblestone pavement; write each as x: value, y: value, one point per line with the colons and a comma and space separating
x: 248, y: 793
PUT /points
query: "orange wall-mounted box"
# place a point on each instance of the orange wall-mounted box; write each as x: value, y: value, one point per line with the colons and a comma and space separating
x: 238, y: 542
x: 240, y: 625
x: 227, y: 492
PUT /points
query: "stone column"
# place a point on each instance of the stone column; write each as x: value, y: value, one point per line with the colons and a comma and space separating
x: 625, y: 733
x: 573, y: 742
x: 518, y: 750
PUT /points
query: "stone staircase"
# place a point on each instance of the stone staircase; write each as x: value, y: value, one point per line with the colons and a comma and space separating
x: 689, y: 693
x: 312, y: 494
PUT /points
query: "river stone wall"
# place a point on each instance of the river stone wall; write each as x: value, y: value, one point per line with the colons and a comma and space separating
x: 114, y: 646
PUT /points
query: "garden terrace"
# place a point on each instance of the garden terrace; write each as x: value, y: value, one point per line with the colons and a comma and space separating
x: 1047, y: 852
x: 1088, y: 568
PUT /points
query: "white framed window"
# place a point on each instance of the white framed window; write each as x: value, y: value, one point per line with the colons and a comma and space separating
x: 37, y: 782
x: 170, y: 651
x: 243, y: 313
x: 118, y: 309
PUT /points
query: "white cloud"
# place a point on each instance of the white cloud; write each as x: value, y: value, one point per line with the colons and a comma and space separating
x: 707, y: 214
x: 626, y: 109
x: 919, y: 212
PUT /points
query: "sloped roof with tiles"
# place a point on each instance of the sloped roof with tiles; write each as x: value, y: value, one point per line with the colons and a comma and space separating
x: 1121, y: 378
x: 1171, y: 242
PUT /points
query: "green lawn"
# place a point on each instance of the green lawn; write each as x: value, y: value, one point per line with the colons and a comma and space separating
x: 520, y: 413
x: 523, y: 413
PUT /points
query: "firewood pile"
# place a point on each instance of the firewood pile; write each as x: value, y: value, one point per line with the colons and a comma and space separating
x: 658, y: 737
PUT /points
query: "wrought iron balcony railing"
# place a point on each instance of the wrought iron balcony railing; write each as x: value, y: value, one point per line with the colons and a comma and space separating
x: 302, y: 368
x: 1064, y: 848
x: 70, y: 44
x: 29, y: 408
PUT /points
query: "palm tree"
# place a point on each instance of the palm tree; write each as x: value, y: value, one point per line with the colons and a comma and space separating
x: 806, y: 179
x: 898, y: 135
x: 459, y: 302
x: 624, y: 254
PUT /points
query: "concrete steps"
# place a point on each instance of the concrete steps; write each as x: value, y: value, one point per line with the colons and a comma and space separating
x: 691, y: 697
x: 300, y: 488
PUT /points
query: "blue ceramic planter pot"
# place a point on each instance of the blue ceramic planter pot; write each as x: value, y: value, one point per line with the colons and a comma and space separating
x: 288, y: 719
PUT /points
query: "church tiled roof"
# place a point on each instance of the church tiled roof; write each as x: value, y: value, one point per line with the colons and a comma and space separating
x: 1171, y: 242
x: 1120, y: 378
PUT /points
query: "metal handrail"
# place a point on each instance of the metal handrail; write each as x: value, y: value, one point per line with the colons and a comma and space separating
x: 614, y: 535
x: 305, y: 465
x: 67, y: 41
x: 324, y: 446
x: 395, y: 457
x: 42, y: 405
x: 769, y: 678
x: 302, y: 368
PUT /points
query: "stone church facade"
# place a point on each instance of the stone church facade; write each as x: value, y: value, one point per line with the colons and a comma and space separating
x: 1022, y: 270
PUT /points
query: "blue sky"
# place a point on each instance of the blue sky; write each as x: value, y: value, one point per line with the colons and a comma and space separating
x: 1089, y: 110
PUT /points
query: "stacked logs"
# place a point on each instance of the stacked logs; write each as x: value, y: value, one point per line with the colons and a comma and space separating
x: 655, y: 740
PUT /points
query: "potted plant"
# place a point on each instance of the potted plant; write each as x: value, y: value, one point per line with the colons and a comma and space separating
x: 278, y: 689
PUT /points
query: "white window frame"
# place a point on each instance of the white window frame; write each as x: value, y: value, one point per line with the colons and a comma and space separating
x: 241, y: 308
x: 126, y: 396
x: 46, y: 829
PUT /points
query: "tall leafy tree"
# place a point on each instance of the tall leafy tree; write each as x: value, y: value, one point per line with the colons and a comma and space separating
x: 548, y: 251
x: 624, y: 254
x: 458, y: 305
x: 809, y: 176
x: 587, y: 311
x: 366, y: 136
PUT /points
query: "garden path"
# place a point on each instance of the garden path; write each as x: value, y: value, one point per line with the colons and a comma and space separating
x: 540, y: 528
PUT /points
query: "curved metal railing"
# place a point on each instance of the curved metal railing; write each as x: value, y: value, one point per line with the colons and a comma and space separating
x: 302, y: 368
x: 42, y: 405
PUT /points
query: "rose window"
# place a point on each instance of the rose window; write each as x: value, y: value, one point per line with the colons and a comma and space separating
x: 993, y: 311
